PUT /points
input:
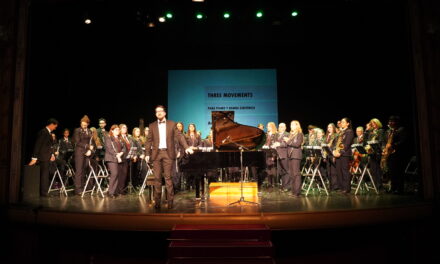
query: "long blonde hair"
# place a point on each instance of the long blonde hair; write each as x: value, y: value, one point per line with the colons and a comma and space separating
x: 271, y: 127
x: 298, y: 129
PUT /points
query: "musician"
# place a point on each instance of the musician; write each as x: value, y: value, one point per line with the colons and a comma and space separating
x: 261, y: 126
x: 294, y: 142
x: 84, y: 146
x: 309, y: 138
x: 138, y: 156
x: 115, y: 149
x: 330, y: 140
x: 160, y: 148
x: 176, y: 174
x: 211, y: 175
x: 319, y: 140
x: 100, y: 152
x: 126, y: 139
x: 343, y: 154
x: 359, y: 139
x: 193, y: 140
x: 281, y: 147
x: 66, y: 145
x: 396, y: 153
x: 375, y: 135
x: 271, y: 159
x: 43, y: 153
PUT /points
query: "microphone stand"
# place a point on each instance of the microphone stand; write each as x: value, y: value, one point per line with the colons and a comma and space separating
x: 239, y: 201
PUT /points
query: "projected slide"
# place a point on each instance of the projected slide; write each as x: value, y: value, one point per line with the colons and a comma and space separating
x: 251, y: 93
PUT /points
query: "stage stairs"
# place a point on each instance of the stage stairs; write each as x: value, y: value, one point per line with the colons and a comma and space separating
x: 220, y: 244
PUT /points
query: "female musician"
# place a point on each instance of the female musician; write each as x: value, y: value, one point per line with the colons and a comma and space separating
x: 294, y: 142
x: 125, y: 138
x: 176, y: 174
x: 319, y: 140
x: 193, y: 139
x: 376, y: 136
x: 65, y: 150
x: 83, y: 150
x: 211, y: 175
x: 330, y: 140
x: 115, y: 150
x: 271, y: 169
x: 138, y: 157
x: 343, y: 153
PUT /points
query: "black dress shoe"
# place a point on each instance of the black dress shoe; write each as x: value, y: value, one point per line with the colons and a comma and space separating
x: 157, y: 206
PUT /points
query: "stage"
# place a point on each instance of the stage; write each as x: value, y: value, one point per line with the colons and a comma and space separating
x: 276, y: 209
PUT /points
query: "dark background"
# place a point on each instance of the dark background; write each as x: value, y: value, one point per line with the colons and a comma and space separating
x: 336, y: 59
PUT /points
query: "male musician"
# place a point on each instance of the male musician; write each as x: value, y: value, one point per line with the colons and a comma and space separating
x: 44, y: 153
x: 160, y: 147
x: 359, y: 139
x: 281, y: 147
x: 397, y: 147
x: 343, y: 154
x: 102, y: 133
x: 375, y: 135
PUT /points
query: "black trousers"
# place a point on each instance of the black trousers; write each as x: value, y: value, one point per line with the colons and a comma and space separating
x: 295, y: 173
x: 283, y: 172
x: 44, y: 177
x: 163, y: 164
x: 376, y: 171
x: 176, y: 175
x: 343, y: 173
x: 199, y: 181
x: 396, y: 167
x: 123, y: 174
x: 332, y: 174
x: 81, y: 163
x: 114, y: 169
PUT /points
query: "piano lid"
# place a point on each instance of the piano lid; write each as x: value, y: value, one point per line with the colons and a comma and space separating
x: 231, y: 136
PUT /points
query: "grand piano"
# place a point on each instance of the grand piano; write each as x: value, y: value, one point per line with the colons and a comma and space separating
x: 230, y: 140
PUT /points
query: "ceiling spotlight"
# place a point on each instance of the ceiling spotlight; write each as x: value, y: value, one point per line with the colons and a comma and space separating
x: 150, y: 25
x: 169, y: 15
x: 87, y: 21
x: 259, y: 14
x: 199, y: 1
x: 199, y: 16
x: 226, y: 15
x: 295, y: 13
x: 161, y: 19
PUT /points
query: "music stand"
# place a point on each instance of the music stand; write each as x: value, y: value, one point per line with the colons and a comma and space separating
x: 131, y: 154
x: 239, y: 201
x: 362, y: 150
x: 316, y: 152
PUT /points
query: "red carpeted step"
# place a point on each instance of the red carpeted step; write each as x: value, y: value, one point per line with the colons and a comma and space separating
x: 221, y: 232
x: 260, y: 260
x: 214, y: 249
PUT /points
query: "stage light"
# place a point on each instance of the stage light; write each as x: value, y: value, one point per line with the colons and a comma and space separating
x: 87, y: 21
x: 169, y: 15
x: 295, y: 13
x: 226, y: 15
x: 150, y: 25
x: 199, y: 15
x: 259, y: 14
x: 162, y: 19
x: 200, y: 1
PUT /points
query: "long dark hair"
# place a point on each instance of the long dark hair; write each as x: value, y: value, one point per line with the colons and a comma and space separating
x: 348, y: 121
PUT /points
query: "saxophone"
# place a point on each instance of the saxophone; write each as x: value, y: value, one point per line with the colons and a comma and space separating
x: 388, y: 150
x: 339, y: 145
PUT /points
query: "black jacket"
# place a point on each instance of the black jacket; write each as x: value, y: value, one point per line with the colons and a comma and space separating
x: 43, y: 148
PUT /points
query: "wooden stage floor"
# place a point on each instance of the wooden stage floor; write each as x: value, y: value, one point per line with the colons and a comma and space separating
x: 276, y: 209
